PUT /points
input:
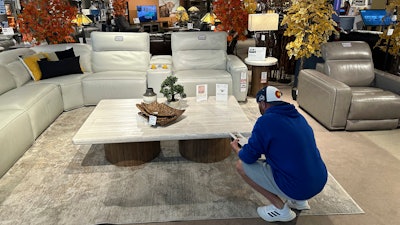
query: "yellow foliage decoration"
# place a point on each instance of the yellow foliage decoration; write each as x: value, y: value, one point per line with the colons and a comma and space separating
x: 311, y: 23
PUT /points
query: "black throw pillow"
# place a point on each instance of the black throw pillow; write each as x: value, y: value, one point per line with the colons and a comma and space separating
x: 69, y: 53
x: 59, y: 68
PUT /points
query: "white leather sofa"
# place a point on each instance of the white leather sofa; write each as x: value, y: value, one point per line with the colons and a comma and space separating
x: 201, y: 58
x: 116, y: 65
x: 25, y: 110
x: 115, y: 68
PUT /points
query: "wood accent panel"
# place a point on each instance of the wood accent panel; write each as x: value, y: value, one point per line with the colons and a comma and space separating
x: 205, y: 150
x: 131, y: 154
x: 256, y: 84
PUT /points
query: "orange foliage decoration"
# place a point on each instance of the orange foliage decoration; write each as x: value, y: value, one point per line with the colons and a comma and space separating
x: 47, y: 20
x: 119, y: 7
x: 233, y: 17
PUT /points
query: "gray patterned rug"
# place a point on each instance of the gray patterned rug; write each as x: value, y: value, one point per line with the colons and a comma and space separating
x: 57, y: 182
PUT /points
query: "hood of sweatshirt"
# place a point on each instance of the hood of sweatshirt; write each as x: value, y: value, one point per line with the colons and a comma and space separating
x: 285, y: 109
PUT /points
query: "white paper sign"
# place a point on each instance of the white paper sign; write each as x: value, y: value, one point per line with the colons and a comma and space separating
x: 243, y: 82
x: 263, y: 77
x: 390, y: 32
x: 201, y: 92
x: 8, y: 31
x: 221, y: 92
x: 256, y: 53
x: 152, y: 120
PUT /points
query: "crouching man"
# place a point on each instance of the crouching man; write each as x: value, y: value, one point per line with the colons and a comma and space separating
x: 293, y: 171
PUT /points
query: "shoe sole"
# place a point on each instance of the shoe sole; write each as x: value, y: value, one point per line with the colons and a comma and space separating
x: 300, y: 208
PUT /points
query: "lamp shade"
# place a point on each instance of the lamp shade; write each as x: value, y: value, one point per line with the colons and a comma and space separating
x: 82, y: 19
x: 209, y: 18
x: 263, y: 22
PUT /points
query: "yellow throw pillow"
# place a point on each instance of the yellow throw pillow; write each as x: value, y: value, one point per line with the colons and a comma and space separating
x: 30, y: 63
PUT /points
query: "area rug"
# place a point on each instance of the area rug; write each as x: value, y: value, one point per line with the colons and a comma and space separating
x: 57, y: 182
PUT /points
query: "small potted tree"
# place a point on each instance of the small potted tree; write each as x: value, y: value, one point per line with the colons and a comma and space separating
x: 170, y: 90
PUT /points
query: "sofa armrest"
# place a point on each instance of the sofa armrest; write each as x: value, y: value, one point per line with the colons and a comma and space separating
x: 238, y: 70
x: 326, y: 99
x: 387, y: 81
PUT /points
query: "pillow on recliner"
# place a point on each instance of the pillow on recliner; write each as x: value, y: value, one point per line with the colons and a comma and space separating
x: 59, y: 68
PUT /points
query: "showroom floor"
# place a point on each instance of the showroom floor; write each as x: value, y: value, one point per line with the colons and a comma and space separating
x: 371, y: 175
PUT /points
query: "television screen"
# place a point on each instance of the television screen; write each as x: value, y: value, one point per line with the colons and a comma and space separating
x: 147, y: 13
x: 346, y: 22
x: 375, y: 17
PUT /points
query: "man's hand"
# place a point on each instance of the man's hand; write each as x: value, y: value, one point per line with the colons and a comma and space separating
x: 235, y: 145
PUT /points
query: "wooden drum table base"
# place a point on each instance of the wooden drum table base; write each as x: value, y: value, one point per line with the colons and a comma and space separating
x: 132, y: 154
x: 205, y: 150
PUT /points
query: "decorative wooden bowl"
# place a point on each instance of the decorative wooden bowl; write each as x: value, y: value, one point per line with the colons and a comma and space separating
x: 164, y: 113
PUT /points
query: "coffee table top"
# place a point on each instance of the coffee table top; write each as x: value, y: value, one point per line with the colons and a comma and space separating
x: 117, y: 121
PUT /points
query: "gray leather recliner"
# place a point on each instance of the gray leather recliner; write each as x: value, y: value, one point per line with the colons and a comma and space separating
x: 346, y: 92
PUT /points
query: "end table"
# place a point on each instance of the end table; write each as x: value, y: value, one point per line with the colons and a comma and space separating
x: 258, y: 79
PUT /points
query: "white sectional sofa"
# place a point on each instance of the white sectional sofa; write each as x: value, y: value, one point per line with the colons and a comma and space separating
x: 116, y: 65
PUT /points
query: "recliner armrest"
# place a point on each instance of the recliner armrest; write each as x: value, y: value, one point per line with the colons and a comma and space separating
x: 238, y: 70
x: 387, y: 81
x: 326, y: 99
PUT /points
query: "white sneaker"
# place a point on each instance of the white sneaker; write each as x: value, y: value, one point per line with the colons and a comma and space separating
x: 272, y: 214
x: 299, y: 205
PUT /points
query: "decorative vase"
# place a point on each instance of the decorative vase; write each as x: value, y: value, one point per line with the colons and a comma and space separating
x: 149, y: 96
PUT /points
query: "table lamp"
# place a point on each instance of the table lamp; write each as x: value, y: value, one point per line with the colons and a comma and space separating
x: 264, y: 22
x: 81, y: 20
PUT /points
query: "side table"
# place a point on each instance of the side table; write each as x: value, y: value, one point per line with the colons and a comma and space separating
x: 258, y: 67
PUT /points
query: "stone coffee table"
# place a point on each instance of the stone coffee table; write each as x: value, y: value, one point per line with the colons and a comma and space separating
x: 202, y: 130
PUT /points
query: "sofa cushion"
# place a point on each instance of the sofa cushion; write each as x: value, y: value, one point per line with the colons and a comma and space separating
x: 10, y: 60
x: 65, y: 54
x: 374, y: 105
x: 32, y: 66
x: 66, y: 66
x: 6, y: 80
x: 120, y: 61
x: 120, y: 41
x: 114, y: 84
x: 199, y: 59
x: 42, y: 102
x: 15, y: 137
x: 199, y: 50
x: 71, y: 89
x: 351, y: 72
x: 349, y: 62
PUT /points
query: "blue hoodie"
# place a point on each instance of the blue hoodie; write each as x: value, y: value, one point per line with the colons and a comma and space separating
x: 287, y: 141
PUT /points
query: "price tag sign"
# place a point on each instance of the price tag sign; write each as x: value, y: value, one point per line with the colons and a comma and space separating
x: 8, y: 31
x: 243, y: 81
x: 390, y: 32
x: 263, y: 77
x: 256, y: 53
x: 152, y: 120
